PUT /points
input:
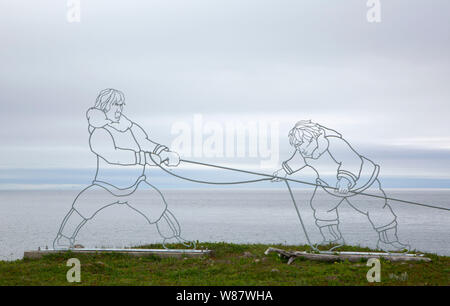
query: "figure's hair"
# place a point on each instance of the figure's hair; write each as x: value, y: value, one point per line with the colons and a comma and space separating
x: 108, y: 96
x: 304, y: 130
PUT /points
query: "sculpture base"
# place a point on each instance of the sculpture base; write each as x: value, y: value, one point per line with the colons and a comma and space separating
x: 163, y: 253
x: 343, y: 256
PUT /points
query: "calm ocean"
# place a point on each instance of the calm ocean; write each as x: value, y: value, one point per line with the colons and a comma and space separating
x: 30, y: 219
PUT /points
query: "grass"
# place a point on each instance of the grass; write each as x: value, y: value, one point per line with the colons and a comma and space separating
x: 231, y: 264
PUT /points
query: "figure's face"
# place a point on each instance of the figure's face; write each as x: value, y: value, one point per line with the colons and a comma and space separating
x: 115, y: 112
x: 307, y: 147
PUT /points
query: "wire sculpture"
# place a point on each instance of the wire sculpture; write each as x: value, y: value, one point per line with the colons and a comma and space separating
x: 120, y: 143
x: 321, y: 149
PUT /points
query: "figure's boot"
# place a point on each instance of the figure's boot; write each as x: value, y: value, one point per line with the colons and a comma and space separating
x: 184, y: 242
x: 177, y: 229
x: 187, y: 243
x: 331, y: 235
x: 388, y: 240
x: 71, y: 225
x: 63, y: 243
x: 169, y: 228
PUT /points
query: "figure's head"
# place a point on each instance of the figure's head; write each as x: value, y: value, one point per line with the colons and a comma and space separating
x: 308, y: 138
x: 111, y: 102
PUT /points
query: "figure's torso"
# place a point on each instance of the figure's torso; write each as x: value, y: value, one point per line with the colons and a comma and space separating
x: 120, y: 176
x: 326, y: 168
x: 123, y: 139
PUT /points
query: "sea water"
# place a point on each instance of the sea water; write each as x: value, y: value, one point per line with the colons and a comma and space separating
x: 30, y: 219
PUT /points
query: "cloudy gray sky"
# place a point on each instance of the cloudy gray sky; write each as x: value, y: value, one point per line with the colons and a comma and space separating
x: 385, y: 86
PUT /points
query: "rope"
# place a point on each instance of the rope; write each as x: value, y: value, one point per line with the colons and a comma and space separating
x: 212, y: 183
x: 243, y: 182
x: 286, y: 181
x: 311, y: 184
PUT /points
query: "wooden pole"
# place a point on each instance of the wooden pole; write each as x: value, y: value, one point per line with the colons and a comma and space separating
x: 292, y: 255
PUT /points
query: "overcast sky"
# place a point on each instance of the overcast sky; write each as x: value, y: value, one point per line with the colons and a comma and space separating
x: 384, y: 86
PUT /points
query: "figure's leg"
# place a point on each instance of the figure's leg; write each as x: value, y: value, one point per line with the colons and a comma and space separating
x: 148, y: 201
x: 381, y: 216
x: 325, y: 207
x: 168, y: 226
x: 83, y: 209
x: 170, y: 219
x: 68, y: 230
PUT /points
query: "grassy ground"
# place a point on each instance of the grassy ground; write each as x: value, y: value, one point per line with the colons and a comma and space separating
x: 231, y: 264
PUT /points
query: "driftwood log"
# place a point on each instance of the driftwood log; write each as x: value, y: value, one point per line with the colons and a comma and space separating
x: 292, y: 255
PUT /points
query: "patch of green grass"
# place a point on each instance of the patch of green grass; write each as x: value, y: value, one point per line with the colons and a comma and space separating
x: 230, y: 264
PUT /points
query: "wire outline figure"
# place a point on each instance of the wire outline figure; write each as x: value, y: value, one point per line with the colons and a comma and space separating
x: 355, y: 174
x: 119, y: 142
x: 160, y: 155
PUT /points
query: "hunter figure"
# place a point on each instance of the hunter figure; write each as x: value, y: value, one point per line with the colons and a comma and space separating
x: 122, y: 149
x: 325, y: 151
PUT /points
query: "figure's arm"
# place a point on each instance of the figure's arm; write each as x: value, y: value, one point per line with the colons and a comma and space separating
x: 350, y: 162
x: 290, y: 166
x: 102, y: 144
x: 144, y: 142
x: 151, y: 147
x: 294, y: 164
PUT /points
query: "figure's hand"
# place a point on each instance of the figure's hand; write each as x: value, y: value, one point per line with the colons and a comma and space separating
x: 155, y: 158
x: 171, y: 159
x: 343, y: 185
x: 279, y: 174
